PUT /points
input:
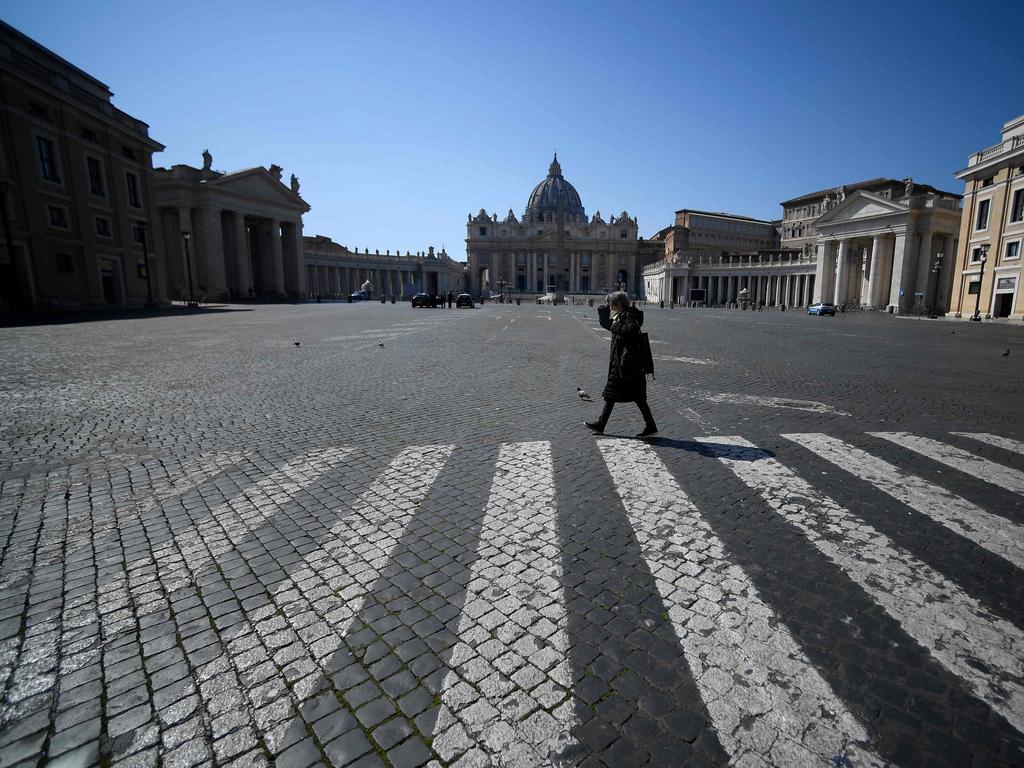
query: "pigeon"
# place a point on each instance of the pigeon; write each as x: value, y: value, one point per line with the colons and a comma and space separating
x: 380, y: 343
x: 583, y: 395
x: 1006, y: 353
x: 952, y: 331
x: 297, y: 343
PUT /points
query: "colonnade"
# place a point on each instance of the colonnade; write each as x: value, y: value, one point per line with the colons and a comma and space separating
x: 333, y: 281
x: 895, y: 270
x: 232, y: 253
x: 791, y: 289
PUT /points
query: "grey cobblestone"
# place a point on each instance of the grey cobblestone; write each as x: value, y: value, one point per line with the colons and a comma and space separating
x: 171, y: 592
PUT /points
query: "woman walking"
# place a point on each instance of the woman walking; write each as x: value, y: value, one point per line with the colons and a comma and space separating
x: 627, y: 382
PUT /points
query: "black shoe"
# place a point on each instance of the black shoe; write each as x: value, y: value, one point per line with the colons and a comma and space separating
x: 594, y: 426
x: 650, y: 429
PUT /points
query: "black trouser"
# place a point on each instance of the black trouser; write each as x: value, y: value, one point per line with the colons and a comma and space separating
x: 645, y: 411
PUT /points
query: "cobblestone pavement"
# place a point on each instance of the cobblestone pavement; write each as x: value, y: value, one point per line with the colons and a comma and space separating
x: 372, y: 535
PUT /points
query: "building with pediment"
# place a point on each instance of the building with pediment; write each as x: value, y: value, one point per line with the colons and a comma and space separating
x: 555, y: 248
x: 234, y: 235
x: 892, y: 252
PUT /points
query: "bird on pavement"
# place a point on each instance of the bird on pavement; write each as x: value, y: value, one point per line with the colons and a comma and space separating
x: 583, y: 395
x: 1006, y: 353
x: 297, y: 343
x: 380, y: 343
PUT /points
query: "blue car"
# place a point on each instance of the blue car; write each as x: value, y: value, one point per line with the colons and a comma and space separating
x: 822, y: 308
x: 359, y: 296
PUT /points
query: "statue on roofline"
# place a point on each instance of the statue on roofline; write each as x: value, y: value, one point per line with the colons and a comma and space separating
x: 207, y: 160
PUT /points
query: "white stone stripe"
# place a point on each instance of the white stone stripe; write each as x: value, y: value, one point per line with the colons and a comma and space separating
x: 994, y: 533
x: 204, y: 542
x: 965, y: 461
x: 981, y: 649
x: 362, y: 541
x: 1006, y: 443
x: 514, y: 600
x: 729, y: 634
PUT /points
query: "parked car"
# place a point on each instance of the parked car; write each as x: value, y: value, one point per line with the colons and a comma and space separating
x: 423, y: 299
x: 360, y: 296
x: 822, y: 308
x: 463, y: 300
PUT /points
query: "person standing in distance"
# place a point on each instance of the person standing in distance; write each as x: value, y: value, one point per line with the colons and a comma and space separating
x: 627, y: 382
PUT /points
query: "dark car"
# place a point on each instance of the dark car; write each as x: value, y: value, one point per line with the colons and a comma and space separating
x: 464, y: 300
x: 422, y: 299
x: 822, y: 308
x: 360, y: 296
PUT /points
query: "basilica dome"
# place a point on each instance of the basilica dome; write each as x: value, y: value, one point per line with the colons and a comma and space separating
x: 543, y: 204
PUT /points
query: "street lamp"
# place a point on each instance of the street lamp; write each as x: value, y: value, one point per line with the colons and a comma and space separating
x: 188, y: 263
x: 936, y: 270
x: 145, y: 255
x: 981, y: 276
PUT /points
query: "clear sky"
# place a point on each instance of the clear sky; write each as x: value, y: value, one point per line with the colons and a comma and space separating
x: 400, y: 118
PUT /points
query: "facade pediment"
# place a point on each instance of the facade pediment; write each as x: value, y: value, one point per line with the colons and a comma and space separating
x: 257, y: 183
x: 860, y: 205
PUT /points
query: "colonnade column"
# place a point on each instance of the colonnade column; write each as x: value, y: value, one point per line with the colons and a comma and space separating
x: 899, y: 271
x: 874, y: 268
x: 821, y: 273
x: 243, y: 272
x: 842, y: 268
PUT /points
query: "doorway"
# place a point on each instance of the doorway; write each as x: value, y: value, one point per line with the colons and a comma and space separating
x: 110, y: 282
x: 1003, y: 305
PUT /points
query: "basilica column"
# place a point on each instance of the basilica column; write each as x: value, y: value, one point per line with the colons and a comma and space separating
x: 924, y: 265
x: 822, y: 272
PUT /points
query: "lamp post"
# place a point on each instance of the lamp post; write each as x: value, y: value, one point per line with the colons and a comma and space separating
x: 145, y: 255
x: 936, y: 270
x: 981, y: 276
x: 188, y: 263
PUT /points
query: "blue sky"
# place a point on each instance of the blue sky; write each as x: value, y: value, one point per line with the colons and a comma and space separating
x: 401, y: 118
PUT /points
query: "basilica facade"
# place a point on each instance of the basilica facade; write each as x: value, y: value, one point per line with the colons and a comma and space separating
x: 555, y: 248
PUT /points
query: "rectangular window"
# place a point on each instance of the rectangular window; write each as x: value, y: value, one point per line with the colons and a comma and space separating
x: 585, y: 260
x: 48, y: 159
x: 975, y: 255
x: 96, y: 184
x: 1017, y: 208
x: 983, y: 207
x: 1012, y: 250
x: 483, y: 231
x: 974, y: 287
x: 521, y: 259
x: 39, y: 110
x: 58, y: 217
x: 987, y: 182
x: 133, y: 190
x: 102, y: 226
x: 65, y: 263
x: 622, y: 233
x: 137, y: 234
x: 89, y: 135
x: 128, y: 152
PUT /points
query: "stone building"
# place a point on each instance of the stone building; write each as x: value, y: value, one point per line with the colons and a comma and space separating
x: 76, y: 181
x: 717, y: 231
x: 888, y: 252
x: 988, y: 260
x: 555, y: 248
x: 333, y: 271
x: 237, y: 235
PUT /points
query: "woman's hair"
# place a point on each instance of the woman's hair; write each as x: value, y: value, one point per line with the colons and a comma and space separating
x: 619, y: 299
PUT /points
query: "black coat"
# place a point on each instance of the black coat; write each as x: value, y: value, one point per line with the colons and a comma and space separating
x: 626, y: 383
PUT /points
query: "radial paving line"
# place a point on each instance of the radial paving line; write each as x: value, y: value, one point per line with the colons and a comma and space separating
x: 518, y: 656
x: 965, y: 461
x: 957, y: 630
x: 996, y: 534
x: 1006, y: 443
x: 758, y: 685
